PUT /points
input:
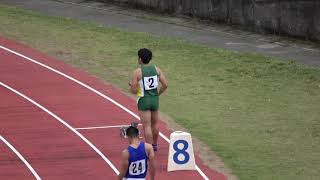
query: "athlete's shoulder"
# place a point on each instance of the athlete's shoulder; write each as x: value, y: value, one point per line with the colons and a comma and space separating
x: 149, y: 150
x: 147, y: 146
x: 137, y: 71
x: 125, y: 153
x: 158, y: 69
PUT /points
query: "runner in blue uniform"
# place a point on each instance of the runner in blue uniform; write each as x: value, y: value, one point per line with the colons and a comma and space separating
x: 137, y: 158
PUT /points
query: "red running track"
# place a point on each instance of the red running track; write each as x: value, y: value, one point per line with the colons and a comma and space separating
x: 11, y: 166
x: 54, y: 150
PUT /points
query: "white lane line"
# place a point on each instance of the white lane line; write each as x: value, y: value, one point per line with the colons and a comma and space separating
x: 21, y: 157
x: 64, y: 123
x: 103, y: 127
x: 81, y: 84
x: 93, y: 90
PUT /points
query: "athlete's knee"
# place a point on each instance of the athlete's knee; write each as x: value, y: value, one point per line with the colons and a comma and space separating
x: 146, y: 123
x: 155, y: 130
x: 154, y: 123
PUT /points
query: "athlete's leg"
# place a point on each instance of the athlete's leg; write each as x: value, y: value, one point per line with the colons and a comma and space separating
x: 154, y: 126
x: 145, y: 117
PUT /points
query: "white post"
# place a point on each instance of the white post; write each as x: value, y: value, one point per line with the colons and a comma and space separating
x: 181, y: 155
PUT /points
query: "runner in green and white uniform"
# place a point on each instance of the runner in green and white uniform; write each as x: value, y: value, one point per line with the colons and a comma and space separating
x: 148, y: 83
x: 148, y: 98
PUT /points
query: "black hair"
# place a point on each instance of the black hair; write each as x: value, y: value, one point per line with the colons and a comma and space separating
x: 145, y: 55
x: 132, y: 132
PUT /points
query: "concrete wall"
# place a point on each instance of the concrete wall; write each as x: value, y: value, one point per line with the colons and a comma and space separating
x: 299, y: 18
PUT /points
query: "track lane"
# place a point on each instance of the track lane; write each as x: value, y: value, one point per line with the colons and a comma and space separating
x: 27, y: 164
x: 11, y: 165
x: 83, y: 108
x: 52, y: 150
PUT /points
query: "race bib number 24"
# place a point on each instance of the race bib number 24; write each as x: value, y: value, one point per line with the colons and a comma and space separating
x: 137, y: 167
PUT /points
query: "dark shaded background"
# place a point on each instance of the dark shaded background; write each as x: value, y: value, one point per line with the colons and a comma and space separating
x: 298, y: 18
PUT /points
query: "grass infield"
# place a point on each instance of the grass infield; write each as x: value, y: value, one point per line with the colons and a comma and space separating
x: 259, y: 114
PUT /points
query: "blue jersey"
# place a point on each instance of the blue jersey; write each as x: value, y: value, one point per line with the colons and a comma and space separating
x: 138, y: 162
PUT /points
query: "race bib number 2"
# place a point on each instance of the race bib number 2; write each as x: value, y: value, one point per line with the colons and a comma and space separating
x: 137, y: 167
x: 150, y: 82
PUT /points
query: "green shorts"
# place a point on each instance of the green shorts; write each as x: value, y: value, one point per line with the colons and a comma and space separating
x: 148, y: 103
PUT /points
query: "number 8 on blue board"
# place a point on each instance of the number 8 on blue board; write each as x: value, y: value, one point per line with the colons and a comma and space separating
x: 182, y: 151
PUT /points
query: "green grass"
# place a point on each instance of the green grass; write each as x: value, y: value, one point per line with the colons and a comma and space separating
x: 261, y: 115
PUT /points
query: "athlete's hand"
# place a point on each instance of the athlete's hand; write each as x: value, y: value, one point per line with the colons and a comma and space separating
x: 130, y: 83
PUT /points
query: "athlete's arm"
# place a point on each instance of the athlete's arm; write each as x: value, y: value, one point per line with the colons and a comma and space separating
x: 163, y: 81
x: 124, y: 164
x: 134, y: 82
x: 152, y: 167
